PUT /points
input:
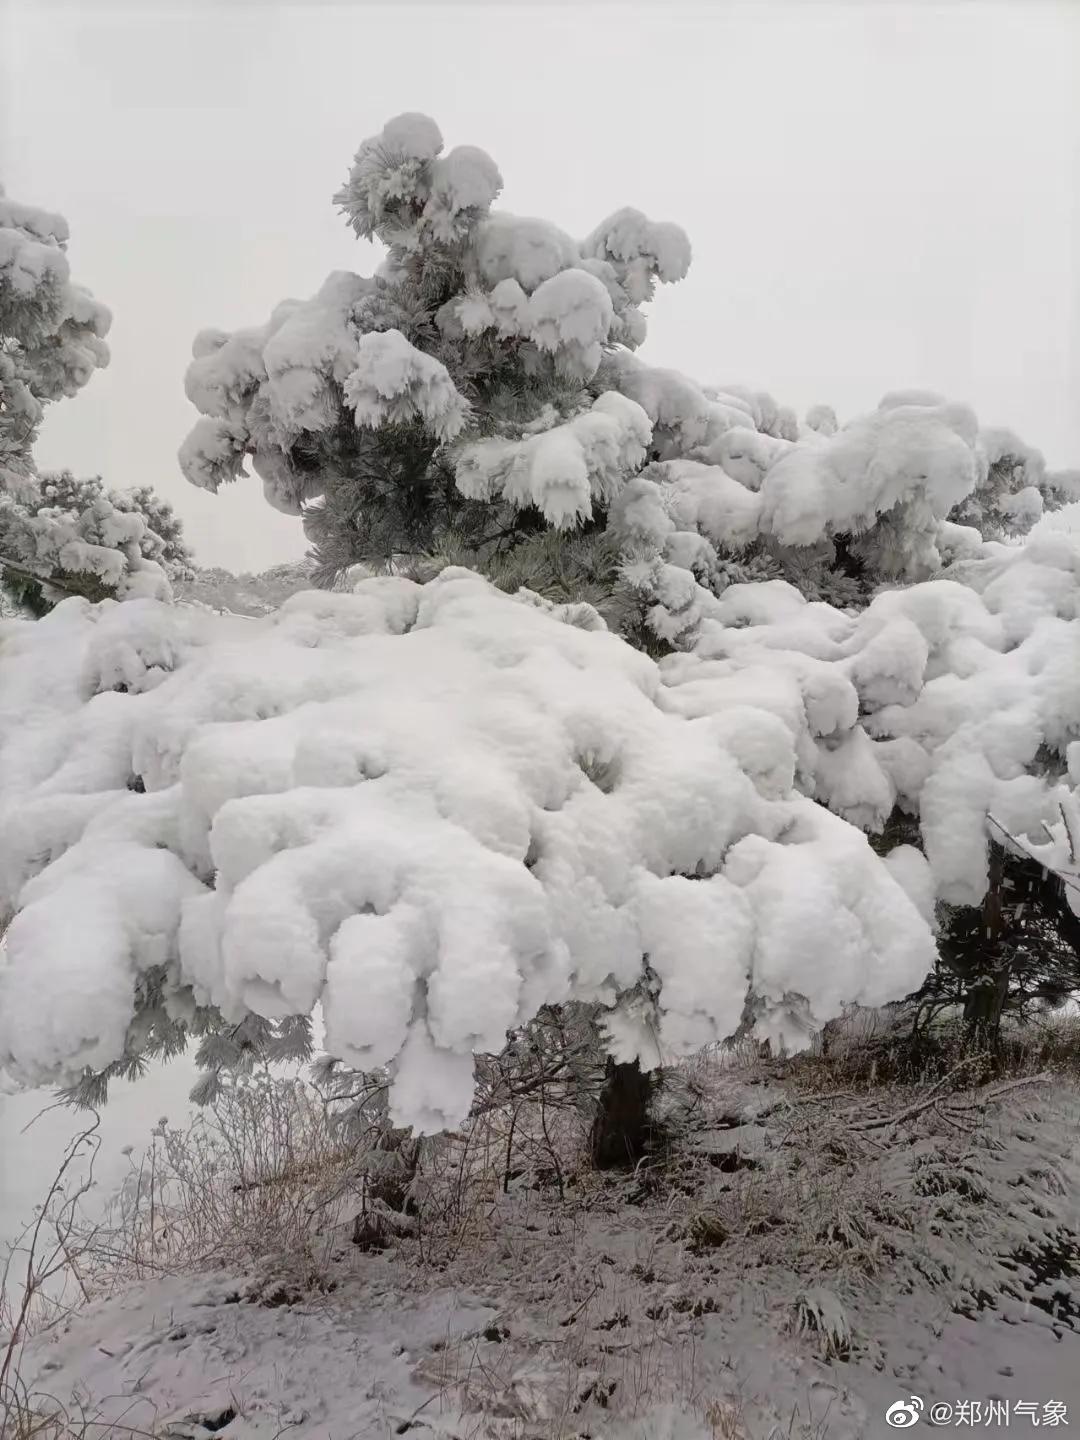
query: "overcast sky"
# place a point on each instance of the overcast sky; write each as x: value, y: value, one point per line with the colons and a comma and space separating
x: 878, y: 195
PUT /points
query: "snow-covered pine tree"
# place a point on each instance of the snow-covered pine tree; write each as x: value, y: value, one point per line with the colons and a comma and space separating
x: 454, y: 409
x: 453, y: 404
x: 479, y: 401
x: 59, y: 535
x: 435, y: 809
x: 450, y: 410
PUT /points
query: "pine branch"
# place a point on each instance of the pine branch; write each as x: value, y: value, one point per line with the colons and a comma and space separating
x: 29, y: 575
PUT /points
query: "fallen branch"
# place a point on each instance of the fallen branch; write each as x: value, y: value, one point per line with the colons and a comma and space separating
x: 816, y: 1095
x: 990, y: 1093
x: 931, y: 1098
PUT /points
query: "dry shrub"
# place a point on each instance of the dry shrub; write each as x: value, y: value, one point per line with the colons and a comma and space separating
x: 868, y: 1050
x: 725, y: 1419
x: 27, y: 1414
x: 259, y: 1172
x: 284, y: 1169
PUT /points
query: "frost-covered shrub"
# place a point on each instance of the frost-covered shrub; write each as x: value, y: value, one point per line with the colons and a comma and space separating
x: 257, y: 1174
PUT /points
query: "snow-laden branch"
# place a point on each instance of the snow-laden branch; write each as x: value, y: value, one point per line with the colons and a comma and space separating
x: 955, y: 699
x: 433, y: 810
x: 562, y: 469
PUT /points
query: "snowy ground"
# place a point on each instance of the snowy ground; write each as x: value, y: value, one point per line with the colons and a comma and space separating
x: 795, y: 1268
x: 512, y: 1354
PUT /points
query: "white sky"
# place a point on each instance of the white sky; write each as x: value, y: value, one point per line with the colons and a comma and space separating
x: 878, y: 195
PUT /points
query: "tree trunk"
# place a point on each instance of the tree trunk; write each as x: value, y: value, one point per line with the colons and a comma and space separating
x: 391, y: 1182
x: 983, y: 1005
x: 985, y: 998
x: 620, y: 1133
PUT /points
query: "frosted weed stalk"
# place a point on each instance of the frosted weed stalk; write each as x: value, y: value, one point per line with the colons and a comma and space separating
x: 44, y: 1277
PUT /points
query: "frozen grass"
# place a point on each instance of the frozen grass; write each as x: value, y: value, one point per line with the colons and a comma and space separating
x: 870, y: 1049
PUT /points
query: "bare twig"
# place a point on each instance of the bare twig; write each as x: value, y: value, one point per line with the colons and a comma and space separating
x: 39, y: 1271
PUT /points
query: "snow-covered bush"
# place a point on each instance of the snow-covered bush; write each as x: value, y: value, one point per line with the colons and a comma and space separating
x: 1014, y: 487
x: 892, y: 497
x: 944, y: 715
x: 886, y: 481
x: 951, y: 699
x: 59, y: 535
x: 73, y: 536
x: 163, y: 540
x: 432, y: 809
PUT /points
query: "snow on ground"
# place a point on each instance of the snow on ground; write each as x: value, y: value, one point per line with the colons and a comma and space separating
x: 492, y: 1358
x: 795, y: 1268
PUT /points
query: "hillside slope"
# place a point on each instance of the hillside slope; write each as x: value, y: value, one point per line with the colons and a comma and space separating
x: 793, y: 1265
